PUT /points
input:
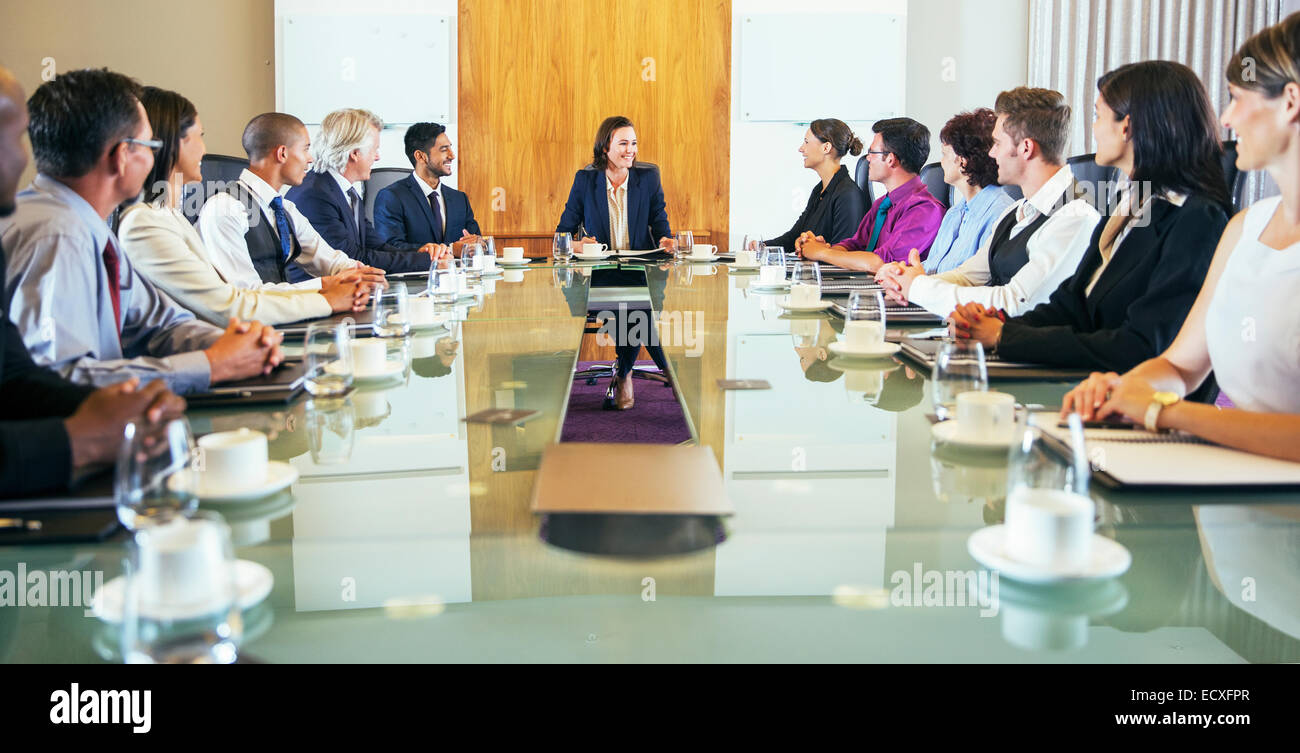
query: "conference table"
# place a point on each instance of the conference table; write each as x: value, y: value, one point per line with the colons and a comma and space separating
x: 409, y: 535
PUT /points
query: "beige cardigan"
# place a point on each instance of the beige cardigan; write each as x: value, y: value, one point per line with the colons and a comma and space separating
x: 165, y: 248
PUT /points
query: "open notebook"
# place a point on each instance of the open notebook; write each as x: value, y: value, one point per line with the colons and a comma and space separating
x: 923, y: 351
x: 1136, y: 458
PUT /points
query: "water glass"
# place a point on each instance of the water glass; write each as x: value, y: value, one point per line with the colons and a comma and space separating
x: 471, y: 260
x: 562, y: 247
x: 489, y: 255
x: 444, y: 281
x: 330, y: 425
x: 181, y: 601
x: 685, y: 241
x: 392, y: 311
x: 157, y: 474
x: 772, y: 269
x: 805, y: 283
x: 958, y: 367
x: 327, y: 353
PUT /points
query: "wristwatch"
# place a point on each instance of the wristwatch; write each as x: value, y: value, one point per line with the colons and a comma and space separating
x: 1159, y: 401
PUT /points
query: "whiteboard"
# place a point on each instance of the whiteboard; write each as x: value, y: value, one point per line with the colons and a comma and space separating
x: 397, y: 66
x: 787, y: 76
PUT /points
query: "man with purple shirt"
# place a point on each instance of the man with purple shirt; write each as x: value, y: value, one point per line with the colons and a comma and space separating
x: 907, y: 217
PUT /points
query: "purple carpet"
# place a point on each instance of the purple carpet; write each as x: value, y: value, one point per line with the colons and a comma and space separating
x: 656, y: 418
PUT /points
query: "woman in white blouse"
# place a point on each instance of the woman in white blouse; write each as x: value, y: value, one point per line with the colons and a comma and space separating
x: 168, y: 250
x: 1245, y: 324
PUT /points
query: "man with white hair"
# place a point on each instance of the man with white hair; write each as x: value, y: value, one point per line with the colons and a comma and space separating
x: 344, y: 152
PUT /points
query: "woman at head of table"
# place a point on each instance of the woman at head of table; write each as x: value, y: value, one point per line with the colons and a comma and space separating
x: 1245, y: 322
x: 836, y: 205
x: 619, y: 202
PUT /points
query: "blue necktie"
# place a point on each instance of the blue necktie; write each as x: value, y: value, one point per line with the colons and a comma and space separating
x: 282, y: 225
x: 885, y: 204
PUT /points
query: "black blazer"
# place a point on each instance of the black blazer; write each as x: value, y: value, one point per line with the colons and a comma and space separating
x: 322, y: 202
x: 404, y: 220
x: 1139, y: 303
x: 834, y: 214
x: 35, y: 454
x: 588, y: 206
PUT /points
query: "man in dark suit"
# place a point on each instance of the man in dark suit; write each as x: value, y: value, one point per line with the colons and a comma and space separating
x: 50, y: 427
x: 422, y: 209
x: 345, y: 151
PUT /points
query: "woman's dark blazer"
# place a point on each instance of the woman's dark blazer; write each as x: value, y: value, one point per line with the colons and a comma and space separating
x: 588, y: 207
x: 833, y: 214
x: 1140, y: 301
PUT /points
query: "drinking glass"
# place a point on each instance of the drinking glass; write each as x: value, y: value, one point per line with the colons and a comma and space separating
x: 805, y: 283
x: 392, y: 313
x: 1031, y: 465
x: 753, y: 242
x: 330, y: 430
x: 772, y: 271
x: 157, y: 474
x: 489, y: 255
x: 471, y: 260
x: 958, y: 367
x: 562, y: 247
x: 327, y: 350
x: 685, y: 242
x: 864, y: 321
x: 181, y: 603
x: 444, y: 281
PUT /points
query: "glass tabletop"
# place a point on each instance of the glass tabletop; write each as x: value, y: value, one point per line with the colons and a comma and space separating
x: 409, y: 535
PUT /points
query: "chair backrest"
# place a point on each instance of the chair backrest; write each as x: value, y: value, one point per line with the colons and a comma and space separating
x: 1235, y: 179
x: 218, y: 170
x: 1014, y: 192
x: 380, y: 178
x: 1100, y: 177
x: 932, y: 177
x: 860, y: 176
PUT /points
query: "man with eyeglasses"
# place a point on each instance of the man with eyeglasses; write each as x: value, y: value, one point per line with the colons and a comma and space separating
x: 79, y: 304
x: 907, y: 217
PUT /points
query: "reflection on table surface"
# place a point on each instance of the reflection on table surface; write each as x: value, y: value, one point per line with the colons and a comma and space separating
x: 409, y: 536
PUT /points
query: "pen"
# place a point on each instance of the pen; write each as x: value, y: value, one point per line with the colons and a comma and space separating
x: 31, y: 525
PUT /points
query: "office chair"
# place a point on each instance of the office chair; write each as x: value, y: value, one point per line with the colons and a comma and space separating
x: 1014, y: 192
x: 218, y: 171
x: 860, y: 176
x: 1235, y: 179
x: 380, y: 178
x: 1101, y: 178
x: 932, y: 176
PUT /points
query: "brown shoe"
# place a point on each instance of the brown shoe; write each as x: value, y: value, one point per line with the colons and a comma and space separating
x: 624, y: 398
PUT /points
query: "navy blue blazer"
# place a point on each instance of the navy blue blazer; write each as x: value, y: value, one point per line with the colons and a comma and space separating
x: 588, y: 207
x: 404, y: 220
x: 322, y: 202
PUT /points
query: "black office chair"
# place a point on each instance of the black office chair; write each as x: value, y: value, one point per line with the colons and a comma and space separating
x: 1100, y: 178
x: 932, y: 177
x: 218, y: 171
x: 1014, y: 192
x: 380, y: 178
x: 860, y: 173
x: 1235, y: 179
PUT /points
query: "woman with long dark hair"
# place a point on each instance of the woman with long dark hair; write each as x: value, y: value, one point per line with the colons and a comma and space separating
x: 1245, y: 323
x: 1148, y: 258
x: 166, y: 248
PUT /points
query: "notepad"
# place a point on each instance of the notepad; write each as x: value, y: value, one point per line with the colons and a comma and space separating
x: 1136, y: 458
x: 923, y: 352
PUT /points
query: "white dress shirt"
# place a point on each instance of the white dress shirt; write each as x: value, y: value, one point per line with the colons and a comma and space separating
x: 223, y: 223
x: 428, y: 190
x: 1054, y: 250
x: 618, y: 237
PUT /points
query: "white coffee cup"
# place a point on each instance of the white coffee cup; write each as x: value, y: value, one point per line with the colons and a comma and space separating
x: 1049, y: 528
x: 513, y: 253
x: 864, y: 335
x: 489, y: 265
x: 594, y: 249
x: 184, y: 567
x: 746, y: 258
x: 985, y: 415
x: 771, y: 274
x: 703, y: 250
x: 421, y: 309
x: 368, y: 356
x: 804, y: 294
x: 233, y: 460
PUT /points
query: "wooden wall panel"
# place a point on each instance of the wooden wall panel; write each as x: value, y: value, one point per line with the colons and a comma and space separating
x: 538, y: 76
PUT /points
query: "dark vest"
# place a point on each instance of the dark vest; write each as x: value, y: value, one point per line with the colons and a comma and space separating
x: 1006, y: 254
x: 262, y: 239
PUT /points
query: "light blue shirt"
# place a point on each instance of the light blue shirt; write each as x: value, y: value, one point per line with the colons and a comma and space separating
x: 966, y: 227
x: 59, y: 299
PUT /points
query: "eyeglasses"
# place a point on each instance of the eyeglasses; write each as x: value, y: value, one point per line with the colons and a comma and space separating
x: 870, y: 151
x: 154, y: 144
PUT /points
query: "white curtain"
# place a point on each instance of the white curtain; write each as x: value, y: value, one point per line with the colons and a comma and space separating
x: 1073, y: 42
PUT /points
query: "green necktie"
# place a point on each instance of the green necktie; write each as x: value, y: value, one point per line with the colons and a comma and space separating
x: 880, y: 222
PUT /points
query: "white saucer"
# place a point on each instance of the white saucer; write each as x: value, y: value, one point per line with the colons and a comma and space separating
x: 768, y: 287
x: 391, y: 369
x: 743, y: 267
x: 253, y: 580
x: 278, y: 476
x: 521, y: 263
x: 497, y: 271
x: 1109, y: 559
x: 946, y: 433
x: 701, y: 259
x: 593, y: 257
x: 818, y: 306
x: 885, y: 350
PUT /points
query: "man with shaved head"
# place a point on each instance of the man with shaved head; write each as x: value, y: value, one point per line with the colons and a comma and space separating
x: 256, y: 236
x: 51, y: 428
